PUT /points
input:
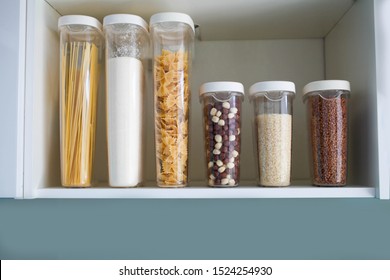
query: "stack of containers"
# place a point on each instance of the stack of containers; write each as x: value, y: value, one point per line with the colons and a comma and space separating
x: 81, y: 45
x: 127, y: 43
x: 173, y: 38
x: 272, y: 102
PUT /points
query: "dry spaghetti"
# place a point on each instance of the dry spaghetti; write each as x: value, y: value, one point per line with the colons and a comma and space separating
x: 78, y: 96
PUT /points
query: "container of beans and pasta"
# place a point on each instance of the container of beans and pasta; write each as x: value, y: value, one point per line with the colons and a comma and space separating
x: 272, y: 102
x: 173, y: 39
x: 328, y: 129
x: 81, y: 53
x: 222, y: 126
x: 127, y: 45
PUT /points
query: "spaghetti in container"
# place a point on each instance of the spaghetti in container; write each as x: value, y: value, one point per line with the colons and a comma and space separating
x: 81, y: 43
x: 172, y: 38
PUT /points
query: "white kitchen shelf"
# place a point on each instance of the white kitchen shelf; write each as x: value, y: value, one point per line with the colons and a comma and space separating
x: 204, y: 192
x: 245, y: 41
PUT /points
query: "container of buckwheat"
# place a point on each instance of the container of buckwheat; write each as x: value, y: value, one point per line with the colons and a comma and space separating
x: 327, y: 107
x: 222, y: 125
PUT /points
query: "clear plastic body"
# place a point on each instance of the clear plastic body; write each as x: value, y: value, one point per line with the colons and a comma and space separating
x: 273, y: 134
x: 80, y: 58
x: 126, y: 49
x: 222, y: 126
x: 328, y: 130
x: 172, y: 46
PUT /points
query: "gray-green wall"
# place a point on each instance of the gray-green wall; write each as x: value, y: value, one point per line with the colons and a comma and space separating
x: 195, y: 229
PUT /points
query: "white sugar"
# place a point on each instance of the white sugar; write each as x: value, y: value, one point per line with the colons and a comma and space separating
x: 125, y: 86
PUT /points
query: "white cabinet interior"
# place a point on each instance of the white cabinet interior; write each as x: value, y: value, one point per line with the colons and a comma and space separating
x: 245, y: 41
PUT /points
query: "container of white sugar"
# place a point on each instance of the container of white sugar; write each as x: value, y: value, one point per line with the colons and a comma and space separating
x: 127, y: 44
x: 272, y: 102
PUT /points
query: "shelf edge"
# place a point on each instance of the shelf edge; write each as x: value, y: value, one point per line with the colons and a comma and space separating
x: 208, y: 193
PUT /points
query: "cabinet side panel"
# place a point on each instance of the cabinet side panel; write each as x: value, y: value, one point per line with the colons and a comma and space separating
x: 41, y: 139
x: 382, y: 36
x: 12, y: 97
x: 350, y: 55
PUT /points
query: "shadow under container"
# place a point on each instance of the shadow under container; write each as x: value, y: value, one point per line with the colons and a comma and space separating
x: 222, y: 130
x: 127, y: 45
x: 327, y: 108
x: 81, y: 52
x: 173, y: 41
x: 272, y: 101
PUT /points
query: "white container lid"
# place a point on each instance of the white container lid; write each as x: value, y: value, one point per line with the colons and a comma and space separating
x: 326, y: 85
x: 221, y: 86
x: 78, y: 19
x: 125, y: 18
x: 263, y: 87
x: 172, y: 17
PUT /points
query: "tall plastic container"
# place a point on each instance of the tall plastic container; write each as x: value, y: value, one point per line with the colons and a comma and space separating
x: 222, y: 124
x: 173, y: 38
x: 81, y: 45
x: 327, y: 108
x: 127, y: 43
x: 272, y: 102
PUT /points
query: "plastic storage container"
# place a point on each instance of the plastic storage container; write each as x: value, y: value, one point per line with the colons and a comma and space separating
x: 328, y: 125
x: 173, y: 39
x: 81, y: 44
x: 127, y: 43
x: 222, y: 124
x: 272, y: 102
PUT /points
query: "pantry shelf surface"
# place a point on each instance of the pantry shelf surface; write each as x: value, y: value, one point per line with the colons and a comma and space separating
x: 196, y: 192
